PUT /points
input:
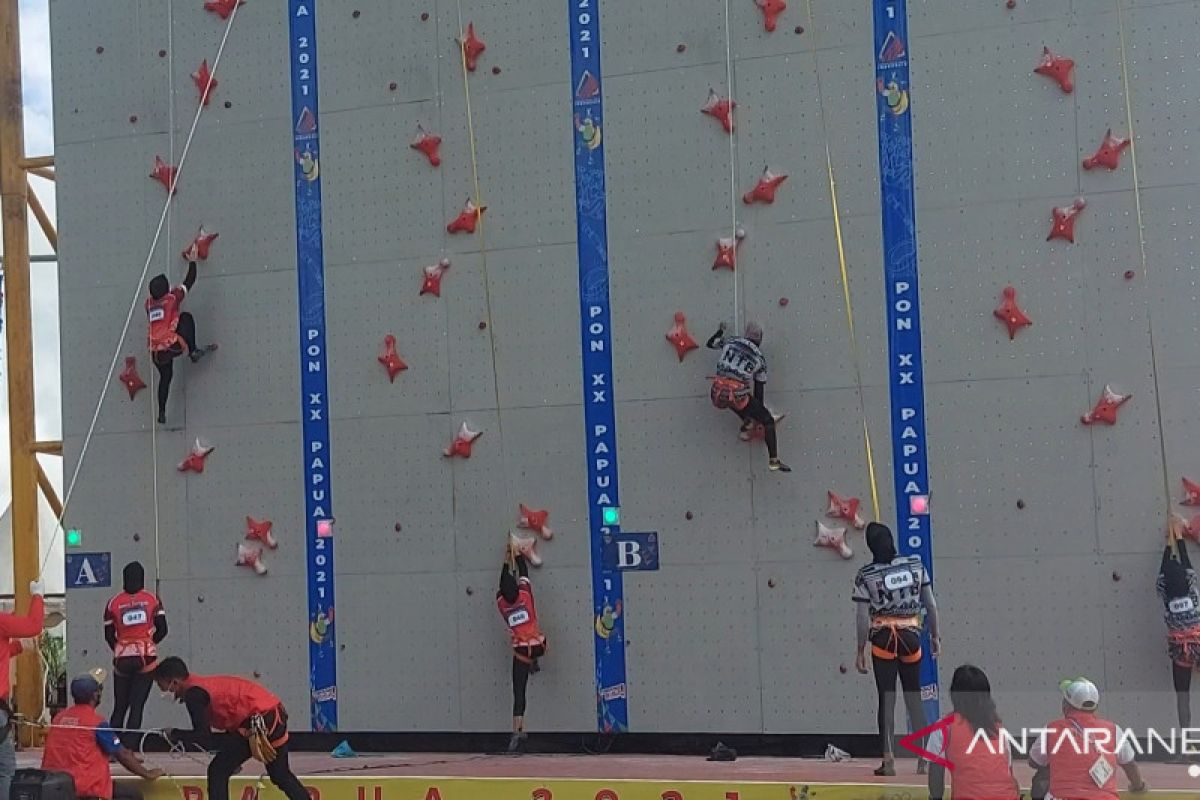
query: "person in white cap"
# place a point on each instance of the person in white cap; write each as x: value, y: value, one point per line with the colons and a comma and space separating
x: 1077, y: 756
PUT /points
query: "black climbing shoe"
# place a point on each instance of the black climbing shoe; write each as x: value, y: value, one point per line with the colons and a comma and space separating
x: 775, y: 465
x: 517, y: 741
x: 886, y: 769
x: 534, y: 667
x: 162, y: 419
x: 722, y: 753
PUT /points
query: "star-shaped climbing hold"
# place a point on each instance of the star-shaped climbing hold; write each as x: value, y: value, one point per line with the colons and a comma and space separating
x: 1106, y: 407
x: 472, y: 47
x: 720, y: 108
x: 428, y: 144
x: 834, y: 539
x: 196, y: 457
x: 205, y: 82
x: 390, y: 358
x: 771, y: 10
x: 467, y: 219
x: 1058, y: 68
x: 431, y: 277
x: 679, y: 336
x: 251, y: 557
x: 164, y: 173
x: 535, y: 520
x: 764, y: 190
x: 1191, y: 493
x: 199, y: 247
x: 1109, y: 153
x: 525, y: 546
x: 845, y: 508
x: 223, y: 8
x: 130, y: 379
x: 260, y: 531
x: 1063, y: 226
x: 1011, y: 314
x: 463, y: 441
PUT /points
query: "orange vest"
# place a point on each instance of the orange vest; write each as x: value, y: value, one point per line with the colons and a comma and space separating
x: 983, y: 773
x: 521, y: 618
x: 133, y: 621
x: 233, y: 700
x: 73, y: 749
x: 163, y: 316
x: 1081, y: 753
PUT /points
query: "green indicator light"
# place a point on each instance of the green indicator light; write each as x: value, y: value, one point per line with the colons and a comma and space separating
x: 611, y: 516
x: 74, y: 537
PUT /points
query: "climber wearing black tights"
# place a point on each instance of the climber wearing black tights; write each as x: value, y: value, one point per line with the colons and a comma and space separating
x: 740, y: 365
x: 514, y: 599
x: 172, y: 332
x: 1179, y: 591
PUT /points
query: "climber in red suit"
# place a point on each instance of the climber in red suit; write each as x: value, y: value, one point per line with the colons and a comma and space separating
x: 252, y: 723
x: 515, y: 602
x: 740, y: 365
x: 134, y: 625
x: 172, y: 332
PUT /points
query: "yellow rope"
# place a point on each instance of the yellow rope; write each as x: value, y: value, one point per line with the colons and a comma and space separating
x: 841, y: 248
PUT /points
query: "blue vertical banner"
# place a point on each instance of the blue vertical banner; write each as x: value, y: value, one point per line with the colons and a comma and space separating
x: 314, y: 386
x: 599, y: 415
x: 905, y: 374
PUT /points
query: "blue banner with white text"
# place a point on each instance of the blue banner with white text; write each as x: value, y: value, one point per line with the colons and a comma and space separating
x: 600, y: 421
x: 310, y: 271
x: 906, y: 377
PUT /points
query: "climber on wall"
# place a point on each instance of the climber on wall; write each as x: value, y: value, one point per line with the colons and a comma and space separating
x: 514, y: 599
x: 1179, y: 591
x: 134, y: 624
x: 742, y: 364
x: 172, y: 332
x: 890, y: 593
x: 14, y: 627
x: 252, y: 720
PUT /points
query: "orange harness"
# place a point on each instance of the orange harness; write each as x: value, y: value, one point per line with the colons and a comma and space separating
x: 730, y: 393
x: 891, y: 650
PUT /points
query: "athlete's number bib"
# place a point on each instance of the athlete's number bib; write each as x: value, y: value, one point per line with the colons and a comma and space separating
x: 157, y: 315
x: 518, y: 616
x: 1181, y: 605
x: 1101, y: 771
x: 134, y: 616
x: 900, y: 579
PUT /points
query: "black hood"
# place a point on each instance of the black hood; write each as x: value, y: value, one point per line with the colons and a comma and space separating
x: 881, y: 542
x: 134, y: 577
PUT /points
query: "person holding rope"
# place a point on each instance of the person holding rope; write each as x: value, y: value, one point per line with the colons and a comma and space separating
x: 514, y: 599
x: 741, y: 364
x: 80, y: 743
x: 890, y: 593
x: 1179, y: 592
x: 251, y: 721
x: 14, y: 627
x: 172, y: 331
x: 134, y: 625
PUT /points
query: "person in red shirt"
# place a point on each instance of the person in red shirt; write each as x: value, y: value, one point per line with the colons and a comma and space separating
x: 12, y: 628
x: 252, y: 722
x: 982, y: 771
x: 134, y: 625
x: 172, y: 331
x: 80, y: 743
x: 515, y: 602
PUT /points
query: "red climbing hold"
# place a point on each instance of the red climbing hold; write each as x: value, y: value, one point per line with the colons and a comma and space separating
x: 431, y: 283
x: 261, y: 532
x: 164, y: 173
x: 1191, y: 493
x: 534, y: 520
x: 1011, y: 314
x: 1060, y: 69
x: 845, y: 508
x: 129, y: 377
x: 205, y: 82
x: 251, y: 557
x: 834, y: 539
x: 467, y: 219
x: 472, y: 47
x: 223, y: 8
x: 764, y: 190
x: 1109, y: 154
x: 757, y: 432
x: 195, y: 459
x: 390, y: 359
x: 198, y: 249
x: 720, y: 108
x: 1064, y: 221
x: 679, y: 336
x: 771, y: 10
x: 463, y: 441
x: 428, y: 144
x: 727, y: 250
x: 526, y: 546
x: 1106, y: 407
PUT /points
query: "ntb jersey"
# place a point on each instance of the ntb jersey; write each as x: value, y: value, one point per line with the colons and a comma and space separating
x: 742, y: 360
x: 892, y: 590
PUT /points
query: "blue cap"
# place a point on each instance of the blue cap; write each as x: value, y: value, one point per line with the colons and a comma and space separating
x: 84, y: 688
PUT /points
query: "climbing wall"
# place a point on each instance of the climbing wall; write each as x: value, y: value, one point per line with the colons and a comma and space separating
x: 345, y: 224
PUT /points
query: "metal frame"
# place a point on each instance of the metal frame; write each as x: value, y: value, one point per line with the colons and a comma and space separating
x: 17, y: 199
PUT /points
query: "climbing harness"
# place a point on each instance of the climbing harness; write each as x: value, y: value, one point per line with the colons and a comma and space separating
x: 260, y: 740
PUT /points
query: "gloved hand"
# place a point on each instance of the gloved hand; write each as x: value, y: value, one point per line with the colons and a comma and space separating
x: 37, y: 587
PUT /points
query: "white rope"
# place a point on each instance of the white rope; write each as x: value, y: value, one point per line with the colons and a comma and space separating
x: 137, y: 295
x: 733, y: 198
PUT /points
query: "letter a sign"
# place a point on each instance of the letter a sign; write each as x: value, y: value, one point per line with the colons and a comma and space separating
x: 89, y: 570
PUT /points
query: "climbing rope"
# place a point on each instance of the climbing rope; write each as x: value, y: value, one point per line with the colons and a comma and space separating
x: 137, y: 296
x: 841, y: 248
x: 733, y: 198
x: 1137, y: 201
